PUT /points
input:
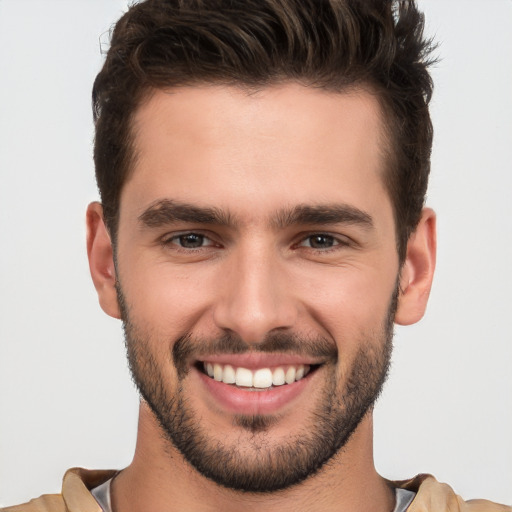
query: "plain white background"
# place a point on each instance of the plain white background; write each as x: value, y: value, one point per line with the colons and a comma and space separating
x: 66, y: 398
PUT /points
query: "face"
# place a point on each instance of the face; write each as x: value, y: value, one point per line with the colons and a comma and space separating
x: 257, y: 275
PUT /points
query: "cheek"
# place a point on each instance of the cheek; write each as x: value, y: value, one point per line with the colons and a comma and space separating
x: 349, y: 302
x: 165, y: 298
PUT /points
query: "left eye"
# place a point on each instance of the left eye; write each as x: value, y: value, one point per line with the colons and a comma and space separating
x: 191, y: 240
x: 319, y: 241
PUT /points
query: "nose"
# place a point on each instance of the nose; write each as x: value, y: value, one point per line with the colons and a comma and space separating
x: 254, y: 296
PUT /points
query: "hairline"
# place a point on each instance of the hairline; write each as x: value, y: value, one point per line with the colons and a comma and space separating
x: 387, y: 131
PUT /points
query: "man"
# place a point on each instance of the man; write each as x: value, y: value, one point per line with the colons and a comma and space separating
x: 262, y: 169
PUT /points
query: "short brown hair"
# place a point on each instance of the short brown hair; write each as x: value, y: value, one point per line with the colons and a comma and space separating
x: 329, y: 44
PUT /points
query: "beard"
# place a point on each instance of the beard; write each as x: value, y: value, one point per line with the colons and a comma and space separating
x: 254, y: 462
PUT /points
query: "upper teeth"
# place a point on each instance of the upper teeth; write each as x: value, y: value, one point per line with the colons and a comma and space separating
x: 261, y: 378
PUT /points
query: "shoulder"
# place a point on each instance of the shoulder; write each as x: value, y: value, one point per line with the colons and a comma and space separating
x: 75, y: 494
x: 485, y: 506
x: 434, y: 496
x: 45, y: 503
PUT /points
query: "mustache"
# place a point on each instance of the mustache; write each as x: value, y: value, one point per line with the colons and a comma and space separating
x: 188, y: 348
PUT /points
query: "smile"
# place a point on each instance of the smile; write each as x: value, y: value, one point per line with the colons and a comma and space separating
x: 253, y: 383
x: 258, y: 379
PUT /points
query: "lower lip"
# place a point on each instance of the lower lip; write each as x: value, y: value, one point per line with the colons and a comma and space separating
x: 239, y: 401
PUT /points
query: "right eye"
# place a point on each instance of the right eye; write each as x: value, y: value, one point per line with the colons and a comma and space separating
x: 189, y: 241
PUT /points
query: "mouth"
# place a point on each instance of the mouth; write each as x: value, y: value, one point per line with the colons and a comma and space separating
x: 259, y: 379
x: 250, y: 385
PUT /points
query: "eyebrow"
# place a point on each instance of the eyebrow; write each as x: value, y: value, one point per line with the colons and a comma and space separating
x: 323, y: 214
x: 167, y: 211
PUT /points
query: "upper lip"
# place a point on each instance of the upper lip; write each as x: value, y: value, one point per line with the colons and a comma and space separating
x: 259, y: 360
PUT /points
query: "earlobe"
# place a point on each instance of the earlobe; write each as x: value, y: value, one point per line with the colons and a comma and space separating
x: 101, y: 260
x: 417, y: 271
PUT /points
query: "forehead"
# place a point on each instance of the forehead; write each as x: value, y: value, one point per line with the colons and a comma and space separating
x: 207, y: 144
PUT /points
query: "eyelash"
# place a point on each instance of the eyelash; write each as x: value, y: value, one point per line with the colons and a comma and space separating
x: 174, y: 240
x: 337, y: 242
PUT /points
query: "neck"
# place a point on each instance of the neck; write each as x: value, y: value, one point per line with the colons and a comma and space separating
x: 160, y: 479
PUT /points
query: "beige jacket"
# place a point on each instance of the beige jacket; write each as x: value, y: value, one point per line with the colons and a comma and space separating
x: 432, y: 496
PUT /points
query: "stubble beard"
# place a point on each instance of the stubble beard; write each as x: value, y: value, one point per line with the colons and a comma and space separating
x: 253, y: 462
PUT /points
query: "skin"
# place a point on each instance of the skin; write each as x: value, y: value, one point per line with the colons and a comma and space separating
x: 251, y: 155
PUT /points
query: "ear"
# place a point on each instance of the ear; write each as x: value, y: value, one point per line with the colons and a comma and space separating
x: 101, y: 260
x: 417, y: 271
